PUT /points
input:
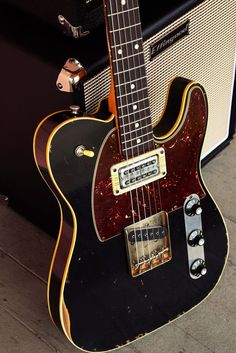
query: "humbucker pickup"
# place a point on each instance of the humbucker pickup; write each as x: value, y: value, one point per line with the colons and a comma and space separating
x: 138, y: 171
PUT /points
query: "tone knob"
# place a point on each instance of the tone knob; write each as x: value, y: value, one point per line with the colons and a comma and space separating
x: 196, y: 238
x: 198, y: 268
x: 193, y: 207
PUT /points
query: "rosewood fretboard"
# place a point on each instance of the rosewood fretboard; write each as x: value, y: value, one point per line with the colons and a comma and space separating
x: 126, y: 51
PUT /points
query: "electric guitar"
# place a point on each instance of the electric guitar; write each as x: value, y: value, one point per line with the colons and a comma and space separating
x: 141, y: 240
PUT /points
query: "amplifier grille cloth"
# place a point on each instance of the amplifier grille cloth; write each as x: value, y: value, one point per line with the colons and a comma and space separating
x: 206, y: 55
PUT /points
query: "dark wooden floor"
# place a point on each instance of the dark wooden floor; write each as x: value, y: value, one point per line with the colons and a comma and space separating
x: 25, y: 253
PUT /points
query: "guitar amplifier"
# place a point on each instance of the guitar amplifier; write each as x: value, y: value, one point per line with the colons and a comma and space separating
x: 196, y: 40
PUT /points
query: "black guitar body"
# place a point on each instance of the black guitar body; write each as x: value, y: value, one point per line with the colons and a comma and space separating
x: 92, y: 296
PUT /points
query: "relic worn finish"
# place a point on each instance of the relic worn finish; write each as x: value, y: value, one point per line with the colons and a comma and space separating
x: 91, y: 295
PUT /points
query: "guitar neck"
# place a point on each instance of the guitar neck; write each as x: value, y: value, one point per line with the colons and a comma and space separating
x: 129, y: 76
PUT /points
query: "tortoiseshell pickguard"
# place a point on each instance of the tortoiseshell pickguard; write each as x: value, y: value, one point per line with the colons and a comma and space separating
x: 113, y: 213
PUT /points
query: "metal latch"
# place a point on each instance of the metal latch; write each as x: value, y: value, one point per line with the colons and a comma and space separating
x: 70, y: 76
x: 71, y: 31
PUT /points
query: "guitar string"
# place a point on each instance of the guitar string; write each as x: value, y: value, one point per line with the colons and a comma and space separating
x: 157, y: 182
x: 147, y: 188
x: 144, y: 191
x: 139, y: 102
x: 130, y: 104
x: 153, y: 185
x: 137, y: 195
x: 122, y: 110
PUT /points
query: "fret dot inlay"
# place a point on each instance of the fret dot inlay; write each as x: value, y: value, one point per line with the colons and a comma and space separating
x: 129, y: 75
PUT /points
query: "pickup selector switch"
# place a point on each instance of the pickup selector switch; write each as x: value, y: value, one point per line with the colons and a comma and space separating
x: 193, y: 207
x: 196, y: 238
x: 198, y: 268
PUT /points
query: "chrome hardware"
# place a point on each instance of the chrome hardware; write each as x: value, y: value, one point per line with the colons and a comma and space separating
x: 75, y: 109
x: 70, y: 76
x: 148, y: 243
x: 194, y: 235
x: 80, y: 151
x: 71, y: 31
x: 196, y: 238
x: 138, y: 171
x: 193, y: 207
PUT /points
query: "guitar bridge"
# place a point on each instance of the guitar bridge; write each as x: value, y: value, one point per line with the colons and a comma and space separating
x: 148, y: 243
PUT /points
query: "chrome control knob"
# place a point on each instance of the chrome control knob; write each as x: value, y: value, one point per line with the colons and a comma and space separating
x: 75, y: 109
x: 193, y: 207
x: 198, y: 268
x: 196, y: 238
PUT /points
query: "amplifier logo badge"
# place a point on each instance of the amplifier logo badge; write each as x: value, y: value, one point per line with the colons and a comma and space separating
x: 171, y: 38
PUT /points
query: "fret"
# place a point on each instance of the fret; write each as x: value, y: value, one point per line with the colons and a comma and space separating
x: 138, y: 150
x: 129, y: 75
x: 131, y: 63
x: 140, y: 144
x: 134, y: 130
x: 128, y: 42
x: 122, y: 12
x: 132, y: 93
x: 138, y: 82
x: 132, y: 124
x: 133, y: 103
x: 122, y: 58
x: 126, y: 27
x: 129, y: 70
x: 113, y: 6
x: 128, y: 35
x: 134, y: 139
x: 130, y: 114
x: 129, y: 147
x: 133, y: 99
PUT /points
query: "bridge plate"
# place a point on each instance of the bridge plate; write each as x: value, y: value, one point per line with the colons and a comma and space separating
x: 148, y: 243
x: 138, y: 171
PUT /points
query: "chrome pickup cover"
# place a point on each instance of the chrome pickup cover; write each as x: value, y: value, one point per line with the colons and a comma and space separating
x: 138, y: 171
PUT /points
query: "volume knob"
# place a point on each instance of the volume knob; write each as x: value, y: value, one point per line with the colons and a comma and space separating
x: 198, y: 268
x: 193, y: 207
x: 196, y: 238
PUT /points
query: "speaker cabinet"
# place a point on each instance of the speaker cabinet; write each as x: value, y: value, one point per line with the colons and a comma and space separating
x: 200, y: 45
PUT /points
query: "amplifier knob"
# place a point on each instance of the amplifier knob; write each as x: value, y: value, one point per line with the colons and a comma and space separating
x: 198, y: 268
x: 196, y: 238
